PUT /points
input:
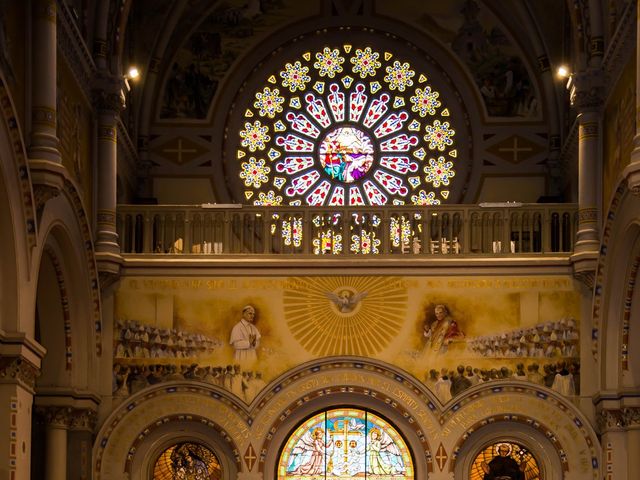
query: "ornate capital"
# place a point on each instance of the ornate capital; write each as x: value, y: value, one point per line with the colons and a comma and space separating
x: 55, y: 416
x: 108, y: 100
x: 586, y: 90
x: 18, y: 370
x: 619, y: 419
x: 83, y: 419
x: 631, y: 416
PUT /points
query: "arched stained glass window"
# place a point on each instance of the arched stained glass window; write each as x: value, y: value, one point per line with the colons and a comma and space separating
x: 505, y: 460
x: 187, y: 461
x: 346, y: 125
x: 345, y: 443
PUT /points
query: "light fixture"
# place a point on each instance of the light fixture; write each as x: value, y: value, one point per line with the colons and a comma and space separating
x: 563, y: 72
x: 132, y: 74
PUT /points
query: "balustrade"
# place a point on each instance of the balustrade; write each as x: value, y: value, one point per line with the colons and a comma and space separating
x: 494, y: 229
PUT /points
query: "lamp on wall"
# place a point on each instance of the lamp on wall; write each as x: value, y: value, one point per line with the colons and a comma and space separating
x: 133, y: 74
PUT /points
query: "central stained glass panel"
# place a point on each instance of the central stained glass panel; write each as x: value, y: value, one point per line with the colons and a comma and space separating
x: 346, y: 154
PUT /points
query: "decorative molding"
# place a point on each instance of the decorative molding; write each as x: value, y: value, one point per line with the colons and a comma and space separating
x: 546, y: 431
x: 587, y: 215
x: 626, y: 313
x: 586, y: 277
x: 15, y: 369
x: 42, y: 194
x: 66, y: 314
x: 621, y: 46
x: 89, y: 250
x: 180, y: 418
x: 74, y: 49
x: 598, y: 287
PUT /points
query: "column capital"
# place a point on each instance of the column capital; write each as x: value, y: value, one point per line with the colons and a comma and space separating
x: 55, y: 416
x: 17, y: 370
x: 107, y: 93
x: 619, y: 419
x: 586, y: 90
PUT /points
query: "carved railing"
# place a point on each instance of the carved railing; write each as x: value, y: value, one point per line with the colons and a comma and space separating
x: 486, y: 229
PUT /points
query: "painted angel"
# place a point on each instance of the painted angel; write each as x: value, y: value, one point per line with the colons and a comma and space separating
x: 308, y: 456
x: 385, y: 457
x: 346, y: 301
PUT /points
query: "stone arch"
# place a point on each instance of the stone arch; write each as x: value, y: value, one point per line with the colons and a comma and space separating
x: 615, y: 292
x: 550, y: 424
x: 358, y: 383
x: 164, y: 432
x: 67, y: 287
x: 170, y: 402
x: 17, y: 221
x: 538, y: 439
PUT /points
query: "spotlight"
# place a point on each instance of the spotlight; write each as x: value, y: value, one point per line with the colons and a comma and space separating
x: 563, y: 72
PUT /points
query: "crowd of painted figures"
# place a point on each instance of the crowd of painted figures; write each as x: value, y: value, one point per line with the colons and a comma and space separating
x: 562, y: 376
x: 545, y: 340
x: 137, y: 341
x: 129, y: 379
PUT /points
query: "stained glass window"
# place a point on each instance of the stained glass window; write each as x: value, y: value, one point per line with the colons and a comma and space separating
x: 345, y: 443
x: 505, y: 460
x: 187, y: 461
x: 346, y: 126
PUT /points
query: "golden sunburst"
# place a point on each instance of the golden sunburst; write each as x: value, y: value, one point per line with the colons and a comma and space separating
x: 345, y: 315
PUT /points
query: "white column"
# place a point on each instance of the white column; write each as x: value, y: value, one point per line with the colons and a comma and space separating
x: 44, y: 139
x: 586, y: 90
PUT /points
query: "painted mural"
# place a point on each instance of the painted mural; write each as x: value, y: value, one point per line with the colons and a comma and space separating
x: 240, y: 333
x: 206, y: 56
x: 473, y: 32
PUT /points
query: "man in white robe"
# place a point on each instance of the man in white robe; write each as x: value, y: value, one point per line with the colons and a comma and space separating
x: 245, y: 337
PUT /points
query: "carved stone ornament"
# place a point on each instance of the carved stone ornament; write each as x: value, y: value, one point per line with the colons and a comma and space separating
x: 18, y: 370
x: 631, y: 416
x: 55, y: 416
x: 109, y: 98
x: 42, y: 194
x: 586, y: 90
x: 619, y: 419
x: 83, y: 419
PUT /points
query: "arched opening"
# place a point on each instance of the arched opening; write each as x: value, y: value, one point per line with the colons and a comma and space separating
x: 347, y: 443
x: 187, y: 460
x: 505, y: 459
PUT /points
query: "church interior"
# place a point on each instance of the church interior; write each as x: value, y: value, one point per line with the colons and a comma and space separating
x: 330, y: 239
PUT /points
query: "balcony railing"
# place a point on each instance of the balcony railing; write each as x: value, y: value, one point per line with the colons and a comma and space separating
x: 490, y: 229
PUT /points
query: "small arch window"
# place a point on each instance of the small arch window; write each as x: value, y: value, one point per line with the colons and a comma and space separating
x: 187, y: 461
x: 345, y: 443
x: 505, y: 461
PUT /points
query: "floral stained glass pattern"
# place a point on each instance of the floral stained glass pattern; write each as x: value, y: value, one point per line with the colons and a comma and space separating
x: 345, y: 443
x: 347, y: 126
x: 187, y: 461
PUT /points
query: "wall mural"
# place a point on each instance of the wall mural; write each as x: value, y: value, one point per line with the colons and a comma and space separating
x: 473, y: 32
x: 240, y: 333
x: 206, y: 56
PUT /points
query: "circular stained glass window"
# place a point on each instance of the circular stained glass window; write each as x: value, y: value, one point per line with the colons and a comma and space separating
x: 346, y: 125
x: 346, y: 154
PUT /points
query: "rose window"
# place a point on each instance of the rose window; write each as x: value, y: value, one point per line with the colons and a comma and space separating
x: 346, y: 126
